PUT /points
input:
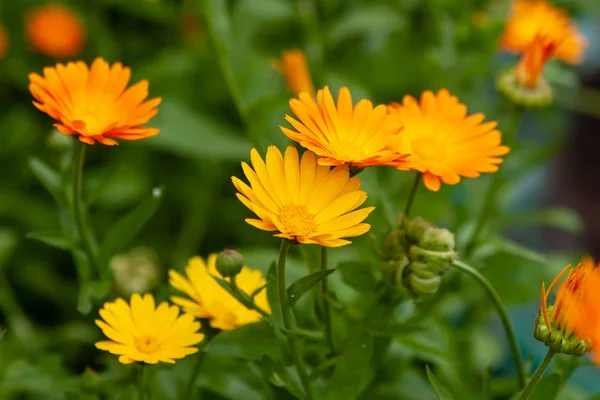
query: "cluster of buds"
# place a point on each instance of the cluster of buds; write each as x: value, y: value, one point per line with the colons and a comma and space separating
x: 416, y: 255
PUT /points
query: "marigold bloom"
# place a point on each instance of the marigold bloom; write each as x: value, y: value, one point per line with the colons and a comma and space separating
x: 529, y: 69
x: 55, y: 31
x: 444, y: 144
x: 210, y: 300
x: 94, y: 103
x: 3, y: 41
x: 302, y: 200
x: 360, y: 137
x: 532, y: 18
x: 143, y: 332
x: 294, y: 68
x: 577, y: 305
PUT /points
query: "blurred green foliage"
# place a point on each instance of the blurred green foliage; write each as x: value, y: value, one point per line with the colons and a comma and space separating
x: 210, y: 62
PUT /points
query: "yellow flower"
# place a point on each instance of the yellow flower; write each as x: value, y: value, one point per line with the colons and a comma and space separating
x: 530, y: 19
x: 360, y: 137
x: 55, y: 31
x: 210, y: 300
x: 94, y: 103
x: 302, y: 200
x: 444, y: 144
x: 294, y: 68
x: 145, y: 333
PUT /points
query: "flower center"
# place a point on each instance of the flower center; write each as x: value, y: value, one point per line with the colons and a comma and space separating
x: 297, y: 220
x: 147, y: 344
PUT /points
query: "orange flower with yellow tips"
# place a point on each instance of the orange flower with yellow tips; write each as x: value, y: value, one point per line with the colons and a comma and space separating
x: 55, y: 31
x: 294, y: 68
x: 360, y: 136
x: 443, y: 142
x: 530, y: 19
x: 302, y: 200
x: 3, y: 41
x: 94, y: 103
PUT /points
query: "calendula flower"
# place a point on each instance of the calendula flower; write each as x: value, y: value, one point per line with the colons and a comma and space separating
x: 55, y: 31
x: 529, y: 69
x: 294, y: 68
x: 208, y: 299
x: 145, y: 333
x: 3, y: 41
x: 302, y: 200
x: 94, y: 103
x: 443, y: 142
x: 360, y: 136
x: 562, y: 326
x: 532, y: 19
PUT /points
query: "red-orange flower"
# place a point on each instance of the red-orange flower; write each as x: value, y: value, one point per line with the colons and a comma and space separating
x: 94, y: 103
x: 294, y: 68
x: 55, y: 31
x: 530, y: 19
x: 529, y: 69
x: 3, y: 41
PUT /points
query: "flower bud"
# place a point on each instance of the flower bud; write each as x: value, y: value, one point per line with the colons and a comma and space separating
x: 229, y: 263
x: 392, y: 271
x: 416, y: 228
x: 557, y: 338
x: 136, y: 272
x: 395, y: 243
x: 539, y: 96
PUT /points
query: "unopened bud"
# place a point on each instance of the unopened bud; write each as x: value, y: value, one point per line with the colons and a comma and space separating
x: 136, y: 272
x: 539, y: 96
x: 557, y: 339
x: 416, y: 228
x: 392, y: 271
x: 229, y: 263
x: 395, y: 243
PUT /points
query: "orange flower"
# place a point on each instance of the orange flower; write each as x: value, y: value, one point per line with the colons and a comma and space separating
x: 529, y: 69
x: 294, y: 68
x: 360, y: 136
x: 3, y: 41
x: 94, y: 102
x: 532, y: 18
x: 443, y: 142
x: 55, y: 31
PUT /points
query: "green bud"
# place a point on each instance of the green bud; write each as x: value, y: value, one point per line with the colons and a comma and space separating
x: 557, y: 339
x: 437, y: 240
x: 395, y: 243
x: 537, y: 97
x: 229, y: 263
x: 392, y: 271
x: 136, y: 272
x: 416, y: 228
x: 423, y: 287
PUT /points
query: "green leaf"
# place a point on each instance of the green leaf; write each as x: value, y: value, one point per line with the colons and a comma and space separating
x: 359, y: 276
x: 128, y: 226
x: 52, y: 239
x: 273, y: 299
x: 190, y: 134
x: 299, y: 288
x: 91, y: 292
x: 350, y: 378
x: 331, y: 362
x: 442, y: 392
x: 49, y: 178
x: 278, y: 375
x: 250, y: 342
x: 559, y: 217
x: 547, y: 388
x: 507, y: 246
x: 392, y: 328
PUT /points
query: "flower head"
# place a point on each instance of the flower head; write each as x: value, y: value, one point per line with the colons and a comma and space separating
x: 3, y: 42
x: 294, y: 68
x: 55, y: 31
x: 360, y: 136
x: 302, y: 200
x: 208, y: 299
x: 94, y: 103
x: 531, y: 19
x: 443, y: 142
x: 142, y: 332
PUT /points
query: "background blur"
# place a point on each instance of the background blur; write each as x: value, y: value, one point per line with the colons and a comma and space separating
x: 380, y: 49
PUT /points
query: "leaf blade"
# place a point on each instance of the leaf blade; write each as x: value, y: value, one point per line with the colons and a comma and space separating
x: 303, y: 285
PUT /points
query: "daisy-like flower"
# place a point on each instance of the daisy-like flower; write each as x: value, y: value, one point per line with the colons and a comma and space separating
x: 530, y: 19
x: 145, y: 333
x: 208, y: 299
x: 55, y: 31
x: 360, y: 136
x: 94, y: 103
x: 302, y: 200
x: 294, y: 68
x: 443, y: 142
x: 3, y: 41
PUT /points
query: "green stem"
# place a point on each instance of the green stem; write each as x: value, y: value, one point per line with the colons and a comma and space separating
x: 84, y: 235
x: 325, y: 304
x: 510, y: 333
x: 492, y: 193
x: 142, y: 383
x: 537, y: 375
x: 209, y: 333
x: 246, y: 300
x: 413, y: 193
x: 288, y: 320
